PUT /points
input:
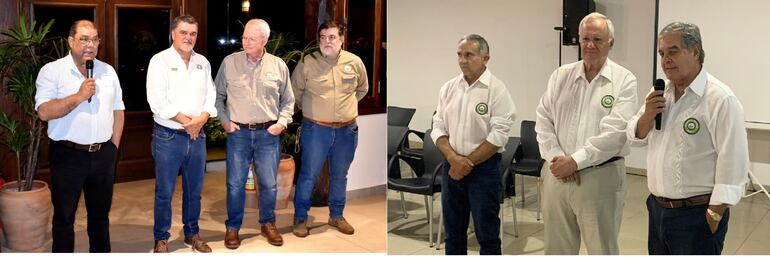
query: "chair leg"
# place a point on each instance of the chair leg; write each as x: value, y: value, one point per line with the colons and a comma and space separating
x: 403, y: 205
x: 430, y: 221
x: 523, y: 192
x: 427, y: 211
x: 515, y: 221
x: 440, y: 239
x: 502, y: 221
x: 539, y: 201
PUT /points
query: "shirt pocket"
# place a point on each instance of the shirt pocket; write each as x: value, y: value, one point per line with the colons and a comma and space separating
x: 238, y: 89
x: 349, y: 82
x: 321, y: 86
x: 270, y: 89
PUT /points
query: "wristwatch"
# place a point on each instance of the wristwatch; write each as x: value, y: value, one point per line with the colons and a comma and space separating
x: 714, y: 215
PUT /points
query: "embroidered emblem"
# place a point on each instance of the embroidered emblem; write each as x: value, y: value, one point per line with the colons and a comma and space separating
x: 691, y: 126
x: 174, y: 69
x: 269, y: 76
x: 200, y: 67
x: 482, y: 108
x: 607, y: 101
x: 348, y: 68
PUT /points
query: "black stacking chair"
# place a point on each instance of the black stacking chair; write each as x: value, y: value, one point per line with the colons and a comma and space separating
x: 529, y: 162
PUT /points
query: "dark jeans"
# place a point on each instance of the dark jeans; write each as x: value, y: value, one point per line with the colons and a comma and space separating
x: 476, y: 194
x: 173, y: 150
x: 683, y: 230
x: 73, y: 171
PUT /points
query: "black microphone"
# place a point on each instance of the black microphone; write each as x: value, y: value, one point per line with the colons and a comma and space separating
x: 660, y: 85
x: 89, y: 72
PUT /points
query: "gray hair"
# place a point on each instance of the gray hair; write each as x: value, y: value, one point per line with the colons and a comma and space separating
x: 184, y: 18
x: 594, y: 16
x: 483, y: 48
x: 690, y: 36
x: 262, y: 27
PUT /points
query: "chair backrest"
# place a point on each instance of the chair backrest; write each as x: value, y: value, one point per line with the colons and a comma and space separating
x: 432, y: 157
x: 506, y: 159
x: 398, y: 116
x: 396, y: 135
x: 529, y: 147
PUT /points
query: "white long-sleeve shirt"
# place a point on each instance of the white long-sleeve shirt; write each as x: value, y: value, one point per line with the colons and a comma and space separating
x: 702, y: 147
x: 90, y: 122
x: 586, y: 120
x: 469, y: 115
x: 175, y: 88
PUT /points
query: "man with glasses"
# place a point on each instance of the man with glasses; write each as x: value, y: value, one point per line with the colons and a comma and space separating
x: 255, y: 103
x: 327, y: 85
x: 581, y: 122
x: 84, y: 110
x: 181, y: 95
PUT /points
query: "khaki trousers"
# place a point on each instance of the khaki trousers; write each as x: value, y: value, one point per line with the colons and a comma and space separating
x: 592, y: 210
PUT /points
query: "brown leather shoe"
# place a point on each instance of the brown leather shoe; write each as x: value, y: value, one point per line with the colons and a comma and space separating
x: 342, y: 225
x: 300, y: 228
x: 271, y: 233
x: 232, y: 241
x: 161, y: 246
x: 196, y: 243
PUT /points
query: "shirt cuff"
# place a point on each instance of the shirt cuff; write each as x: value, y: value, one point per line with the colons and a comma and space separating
x: 631, y: 135
x: 283, y: 122
x: 436, y: 133
x: 581, y: 158
x: 553, y: 153
x: 726, y: 194
x: 497, y: 139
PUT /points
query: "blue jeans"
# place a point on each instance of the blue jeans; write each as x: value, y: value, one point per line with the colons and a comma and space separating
x: 320, y: 143
x: 245, y: 146
x: 174, y: 150
x: 477, y: 194
x: 683, y: 230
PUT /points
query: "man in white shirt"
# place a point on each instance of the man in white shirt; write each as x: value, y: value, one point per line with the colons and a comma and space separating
x: 471, y: 125
x: 181, y: 95
x: 581, y: 122
x: 698, y: 162
x: 85, y: 122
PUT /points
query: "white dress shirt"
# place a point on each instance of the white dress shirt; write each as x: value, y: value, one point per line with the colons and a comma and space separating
x: 470, y: 115
x: 90, y: 122
x: 586, y: 120
x: 702, y: 146
x: 175, y: 88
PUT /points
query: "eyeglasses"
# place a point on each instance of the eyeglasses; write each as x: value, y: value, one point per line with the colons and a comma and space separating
x: 85, y: 40
x: 596, y: 42
x: 249, y: 39
x: 329, y: 38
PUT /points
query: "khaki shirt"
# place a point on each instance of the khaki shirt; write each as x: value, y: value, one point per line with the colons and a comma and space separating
x: 254, y: 94
x: 330, y: 91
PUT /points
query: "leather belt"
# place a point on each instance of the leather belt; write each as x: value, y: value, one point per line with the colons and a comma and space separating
x: 255, y: 126
x: 331, y: 124
x: 614, y: 158
x: 87, y: 148
x: 682, y: 203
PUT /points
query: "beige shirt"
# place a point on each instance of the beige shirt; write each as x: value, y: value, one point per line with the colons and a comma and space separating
x: 248, y: 93
x: 330, y: 90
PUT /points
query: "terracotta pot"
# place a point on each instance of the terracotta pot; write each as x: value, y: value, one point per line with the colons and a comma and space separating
x: 26, y: 216
x: 285, y: 181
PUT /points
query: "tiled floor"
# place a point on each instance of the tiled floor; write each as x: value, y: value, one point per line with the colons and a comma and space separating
x: 132, y: 220
x: 748, y: 232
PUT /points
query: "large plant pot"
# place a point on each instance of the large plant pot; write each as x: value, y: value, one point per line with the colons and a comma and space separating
x: 26, y: 216
x: 285, y: 181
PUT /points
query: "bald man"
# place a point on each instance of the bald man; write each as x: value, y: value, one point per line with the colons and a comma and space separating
x: 255, y: 103
x: 85, y: 122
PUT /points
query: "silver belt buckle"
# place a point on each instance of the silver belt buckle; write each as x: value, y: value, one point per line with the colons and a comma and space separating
x: 94, y: 147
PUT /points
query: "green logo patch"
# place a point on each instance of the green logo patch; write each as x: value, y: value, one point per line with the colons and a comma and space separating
x: 691, y: 126
x: 607, y: 101
x: 482, y: 108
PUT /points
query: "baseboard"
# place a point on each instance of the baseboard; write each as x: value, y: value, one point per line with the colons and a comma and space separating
x: 378, y: 190
x: 636, y: 171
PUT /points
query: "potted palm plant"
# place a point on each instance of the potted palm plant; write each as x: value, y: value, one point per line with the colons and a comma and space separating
x: 25, y: 204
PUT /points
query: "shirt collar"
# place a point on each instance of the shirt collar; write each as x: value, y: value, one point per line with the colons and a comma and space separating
x: 698, y: 85
x: 254, y: 64
x: 605, y: 72
x: 484, y: 80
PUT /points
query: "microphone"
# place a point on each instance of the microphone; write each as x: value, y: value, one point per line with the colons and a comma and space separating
x: 659, y: 85
x: 89, y: 72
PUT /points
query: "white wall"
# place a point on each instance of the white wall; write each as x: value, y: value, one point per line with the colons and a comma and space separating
x: 524, y: 48
x: 368, y: 167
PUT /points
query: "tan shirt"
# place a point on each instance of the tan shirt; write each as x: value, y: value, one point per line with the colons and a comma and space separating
x: 329, y: 91
x: 248, y: 93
